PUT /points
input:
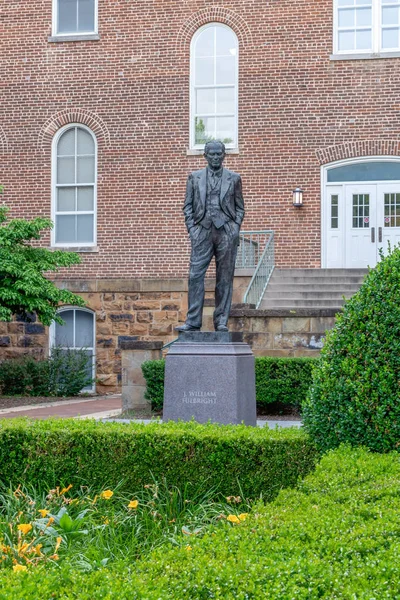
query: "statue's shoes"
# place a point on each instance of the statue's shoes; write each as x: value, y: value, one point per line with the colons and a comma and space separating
x: 221, y: 328
x: 187, y: 327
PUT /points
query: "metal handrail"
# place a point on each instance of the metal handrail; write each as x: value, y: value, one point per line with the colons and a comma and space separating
x: 262, y: 274
x: 251, y: 248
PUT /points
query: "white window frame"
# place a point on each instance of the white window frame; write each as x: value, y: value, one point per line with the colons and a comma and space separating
x: 55, y: 32
x: 193, y: 87
x: 54, y: 186
x: 52, y: 340
x: 376, y: 34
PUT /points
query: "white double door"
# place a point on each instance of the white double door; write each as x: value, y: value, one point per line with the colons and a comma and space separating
x: 361, y: 220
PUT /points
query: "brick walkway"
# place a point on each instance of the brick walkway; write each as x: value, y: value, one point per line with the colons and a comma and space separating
x: 97, y: 407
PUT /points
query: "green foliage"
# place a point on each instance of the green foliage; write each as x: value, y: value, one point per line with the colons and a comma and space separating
x: 64, y: 373
x: 91, y: 529
x: 355, y: 395
x: 23, y: 287
x: 153, y: 372
x: 336, y: 536
x: 233, y: 460
x: 283, y: 380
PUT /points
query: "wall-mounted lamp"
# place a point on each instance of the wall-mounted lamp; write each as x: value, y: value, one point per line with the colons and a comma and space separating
x: 298, y: 197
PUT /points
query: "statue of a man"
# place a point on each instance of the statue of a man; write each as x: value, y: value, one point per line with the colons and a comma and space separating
x: 214, y: 211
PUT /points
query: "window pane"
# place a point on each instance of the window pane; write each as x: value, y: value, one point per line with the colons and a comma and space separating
x: 226, y: 69
x: 204, y: 129
x: 205, y: 100
x: 364, y: 17
x: 346, y: 40
x: 85, y: 228
x: 86, y: 15
x: 67, y: 16
x: 85, y: 142
x: 66, y: 199
x: 85, y: 198
x: 347, y: 18
x: 226, y: 42
x: 390, y: 16
x: 390, y: 38
x: 85, y: 170
x: 65, y: 333
x: 226, y: 129
x: 226, y: 100
x: 204, y: 71
x: 83, y: 329
x: 205, y: 42
x: 66, y: 143
x: 65, y: 229
x: 65, y: 170
x: 363, y: 40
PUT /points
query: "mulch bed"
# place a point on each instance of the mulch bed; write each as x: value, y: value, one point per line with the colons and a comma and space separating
x: 13, y: 401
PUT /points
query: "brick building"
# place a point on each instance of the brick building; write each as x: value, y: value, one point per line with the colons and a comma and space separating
x: 105, y: 107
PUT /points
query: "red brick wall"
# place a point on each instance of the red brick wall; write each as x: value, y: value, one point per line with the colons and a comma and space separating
x: 298, y: 109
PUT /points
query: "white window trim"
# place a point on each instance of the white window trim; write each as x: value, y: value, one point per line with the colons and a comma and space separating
x: 376, y: 32
x: 56, y: 138
x: 193, y: 146
x: 326, y: 187
x: 52, y: 339
x: 78, y: 34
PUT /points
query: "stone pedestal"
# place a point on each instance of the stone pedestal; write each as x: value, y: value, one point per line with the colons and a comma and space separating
x: 210, y: 376
x: 133, y: 354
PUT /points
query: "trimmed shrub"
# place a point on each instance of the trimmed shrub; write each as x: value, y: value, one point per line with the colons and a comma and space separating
x: 240, y: 460
x: 355, y: 395
x: 284, y: 380
x: 334, y: 537
x: 64, y: 373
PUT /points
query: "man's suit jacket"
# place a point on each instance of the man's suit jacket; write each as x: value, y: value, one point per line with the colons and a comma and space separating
x: 231, y: 198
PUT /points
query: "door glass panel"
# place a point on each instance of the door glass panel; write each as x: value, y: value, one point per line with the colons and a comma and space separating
x: 360, y: 210
x: 334, y: 211
x: 392, y: 210
x: 368, y: 171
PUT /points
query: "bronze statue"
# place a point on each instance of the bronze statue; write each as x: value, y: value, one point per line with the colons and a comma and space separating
x: 214, y: 211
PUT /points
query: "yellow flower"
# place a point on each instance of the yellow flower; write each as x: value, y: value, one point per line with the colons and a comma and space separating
x: 50, y: 521
x: 106, y: 521
x: 233, y: 519
x: 59, y: 540
x: 133, y: 504
x: 19, y: 567
x: 37, y: 549
x: 188, y: 548
x: 65, y: 490
x: 43, y: 512
x: 54, y: 557
x: 243, y: 516
x: 24, y: 527
x: 107, y: 494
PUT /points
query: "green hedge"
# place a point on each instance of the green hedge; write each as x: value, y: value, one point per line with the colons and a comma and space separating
x: 284, y: 380
x: 336, y: 536
x: 228, y: 458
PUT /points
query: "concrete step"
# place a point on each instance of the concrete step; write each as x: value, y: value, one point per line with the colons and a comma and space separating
x: 298, y: 295
x: 280, y: 286
x: 320, y: 272
x: 303, y: 303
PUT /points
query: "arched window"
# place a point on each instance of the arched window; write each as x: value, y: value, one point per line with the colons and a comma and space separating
x: 214, y: 86
x: 77, y: 333
x: 74, y: 187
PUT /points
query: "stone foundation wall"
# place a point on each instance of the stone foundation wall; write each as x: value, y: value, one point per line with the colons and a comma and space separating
x: 148, y: 310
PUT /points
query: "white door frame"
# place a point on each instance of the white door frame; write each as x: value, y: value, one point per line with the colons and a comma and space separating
x: 325, y: 186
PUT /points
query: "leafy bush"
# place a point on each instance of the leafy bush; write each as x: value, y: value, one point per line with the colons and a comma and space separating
x: 240, y: 460
x: 284, y: 380
x: 355, y: 395
x: 153, y: 372
x: 64, y: 373
x: 336, y: 536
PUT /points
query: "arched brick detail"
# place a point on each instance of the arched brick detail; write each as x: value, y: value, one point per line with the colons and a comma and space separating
x: 213, y: 14
x: 74, y: 115
x: 3, y: 141
x: 358, y: 149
